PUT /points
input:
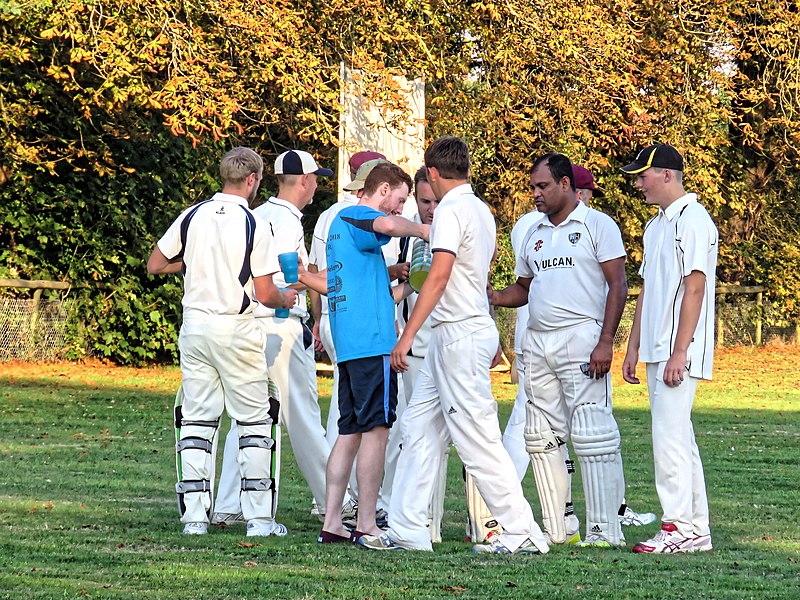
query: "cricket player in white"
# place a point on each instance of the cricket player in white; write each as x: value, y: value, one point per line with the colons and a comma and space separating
x: 452, y: 399
x: 290, y: 351
x: 673, y: 334
x: 571, y: 272
x: 426, y: 207
x: 227, y: 256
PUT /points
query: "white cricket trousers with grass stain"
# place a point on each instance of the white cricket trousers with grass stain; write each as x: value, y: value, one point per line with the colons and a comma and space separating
x: 223, y: 369
x: 680, y: 481
x: 452, y: 400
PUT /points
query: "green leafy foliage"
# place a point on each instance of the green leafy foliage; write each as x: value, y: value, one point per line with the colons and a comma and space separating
x: 113, y: 116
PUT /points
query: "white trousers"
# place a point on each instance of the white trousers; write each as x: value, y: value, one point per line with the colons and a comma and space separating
x: 227, y: 498
x: 452, y: 399
x: 556, y: 386
x: 680, y: 481
x: 293, y: 368
x: 395, y: 442
x: 223, y: 369
x: 325, y: 335
x: 514, y: 435
x: 552, y: 375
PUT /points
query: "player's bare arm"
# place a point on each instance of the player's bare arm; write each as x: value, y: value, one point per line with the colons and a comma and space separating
x: 401, y: 291
x: 395, y: 226
x: 694, y: 290
x: 603, y: 353
x: 432, y: 290
x: 270, y: 295
x: 513, y: 296
x: 316, y: 281
x: 632, y: 354
x: 158, y: 264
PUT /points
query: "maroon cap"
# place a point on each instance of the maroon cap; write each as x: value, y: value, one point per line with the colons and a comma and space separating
x: 584, y: 180
x: 359, y: 158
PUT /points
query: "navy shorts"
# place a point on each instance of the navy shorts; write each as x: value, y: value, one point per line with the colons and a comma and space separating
x: 367, y: 394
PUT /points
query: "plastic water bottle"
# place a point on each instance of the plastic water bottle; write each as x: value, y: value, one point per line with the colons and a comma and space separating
x: 420, y: 264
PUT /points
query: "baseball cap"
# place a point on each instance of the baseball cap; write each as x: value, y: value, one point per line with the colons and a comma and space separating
x: 584, y: 180
x: 359, y: 158
x: 297, y: 162
x: 361, y: 177
x: 663, y: 156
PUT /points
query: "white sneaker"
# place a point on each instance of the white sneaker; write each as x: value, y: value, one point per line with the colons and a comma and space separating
x: 702, y: 543
x: 222, y: 519
x: 495, y: 546
x: 264, y: 528
x: 595, y: 540
x: 666, y: 541
x: 195, y: 529
x: 314, y: 509
x: 630, y: 518
x: 380, y: 542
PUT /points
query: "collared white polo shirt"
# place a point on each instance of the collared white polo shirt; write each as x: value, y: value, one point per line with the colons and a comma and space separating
x: 568, y: 286
x: 518, y: 233
x: 464, y: 226
x: 218, y: 271
x: 677, y: 241
x: 285, y: 220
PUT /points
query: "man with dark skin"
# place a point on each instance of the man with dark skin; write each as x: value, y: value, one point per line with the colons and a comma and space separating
x: 571, y: 272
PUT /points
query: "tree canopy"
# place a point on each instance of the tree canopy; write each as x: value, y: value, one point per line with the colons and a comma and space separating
x: 115, y: 114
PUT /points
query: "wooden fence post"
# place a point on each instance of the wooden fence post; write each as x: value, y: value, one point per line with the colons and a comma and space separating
x: 759, y: 306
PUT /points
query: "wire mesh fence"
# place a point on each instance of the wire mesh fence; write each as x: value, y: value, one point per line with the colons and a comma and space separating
x: 32, y: 329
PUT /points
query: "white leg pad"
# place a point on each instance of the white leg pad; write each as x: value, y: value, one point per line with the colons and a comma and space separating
x: 596, y: 440
x: 437, y: 500
x: 481, y: 521
x: 195, y: 446
x: 548, y: 455
x: 260, y: 462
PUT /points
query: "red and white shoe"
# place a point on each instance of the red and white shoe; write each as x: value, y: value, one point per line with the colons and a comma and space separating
x: 666, y: 541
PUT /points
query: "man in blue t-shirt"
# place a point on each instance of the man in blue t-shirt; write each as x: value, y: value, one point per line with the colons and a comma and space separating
x: 361, y: 307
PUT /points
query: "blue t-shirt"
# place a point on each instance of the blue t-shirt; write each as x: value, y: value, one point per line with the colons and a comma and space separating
x: 360, y: 302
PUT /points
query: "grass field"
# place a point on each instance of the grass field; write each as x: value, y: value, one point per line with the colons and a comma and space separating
x: 87, y: 508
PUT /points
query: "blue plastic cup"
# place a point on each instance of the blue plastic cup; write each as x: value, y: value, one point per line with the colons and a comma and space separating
x: 283, y: 313
x: 288, y: 261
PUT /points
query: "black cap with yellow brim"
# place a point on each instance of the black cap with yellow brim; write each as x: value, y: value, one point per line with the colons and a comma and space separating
x: 662, y: 156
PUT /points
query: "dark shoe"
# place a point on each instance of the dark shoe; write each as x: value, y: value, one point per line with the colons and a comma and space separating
x: 326, y: 537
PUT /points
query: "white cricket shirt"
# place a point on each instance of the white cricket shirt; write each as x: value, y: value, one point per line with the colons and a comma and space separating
x: 215, y: 255
x: 285, y: 219
x: 677, y: 241
x: 568, y: 286
x: 464, y: 226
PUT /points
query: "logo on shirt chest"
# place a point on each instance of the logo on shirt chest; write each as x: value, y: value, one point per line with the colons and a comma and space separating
x: 558, y: 262
x: 538, y: 245
x: 574, y: 238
